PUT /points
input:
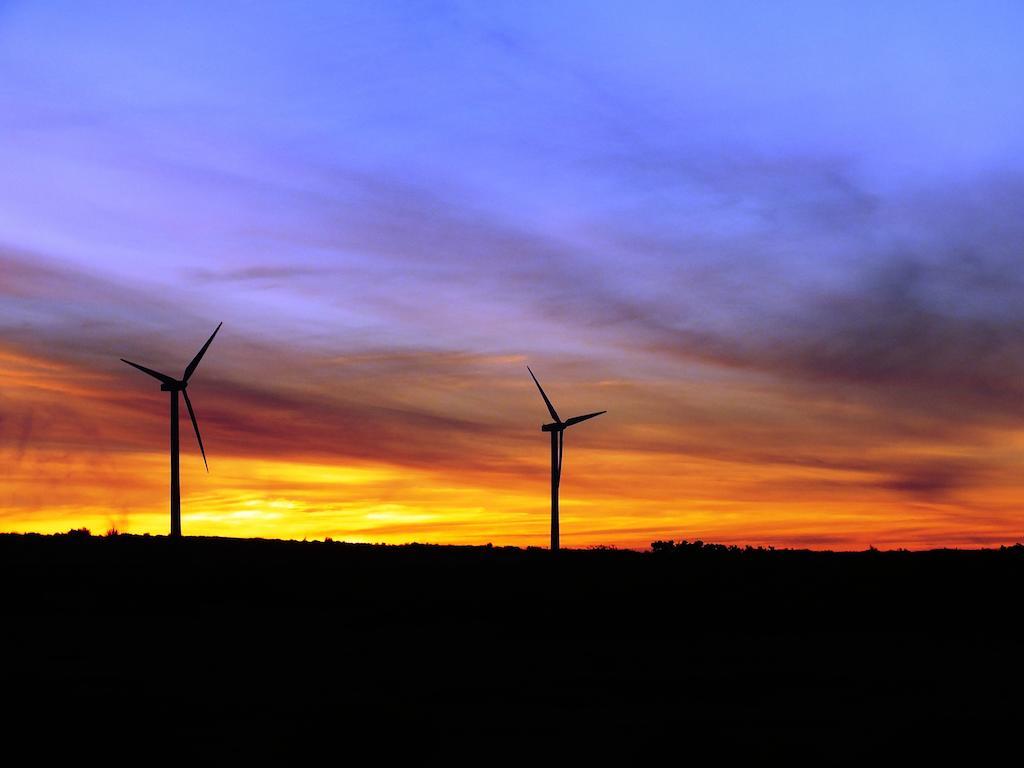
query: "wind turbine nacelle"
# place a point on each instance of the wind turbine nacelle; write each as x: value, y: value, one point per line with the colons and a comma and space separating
x: 177, y: 386
x: 551, y: 428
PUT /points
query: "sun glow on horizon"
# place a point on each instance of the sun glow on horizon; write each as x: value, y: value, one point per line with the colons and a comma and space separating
x: 245, y: 497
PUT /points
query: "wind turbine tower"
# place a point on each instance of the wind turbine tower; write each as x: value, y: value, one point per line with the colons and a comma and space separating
x: 557, y: 429
x: 174, y: 386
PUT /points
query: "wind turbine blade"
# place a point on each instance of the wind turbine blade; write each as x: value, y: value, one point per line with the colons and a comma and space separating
x: 155, y: 374
x: 584, y: 417
x: 199, y: 355
x: 195, y: 426
x: 551, y: 408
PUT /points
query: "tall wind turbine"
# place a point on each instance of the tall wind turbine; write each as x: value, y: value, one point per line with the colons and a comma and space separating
x: 557, y: 429
x: 174, y: 386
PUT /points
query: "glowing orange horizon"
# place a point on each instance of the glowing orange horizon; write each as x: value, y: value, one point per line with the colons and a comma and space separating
x: 84, y: 467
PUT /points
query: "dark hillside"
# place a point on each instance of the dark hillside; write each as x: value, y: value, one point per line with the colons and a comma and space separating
x: 273, y: 647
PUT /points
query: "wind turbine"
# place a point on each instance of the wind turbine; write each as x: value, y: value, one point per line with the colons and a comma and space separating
x: 174, y: 386
x: 557, y: 429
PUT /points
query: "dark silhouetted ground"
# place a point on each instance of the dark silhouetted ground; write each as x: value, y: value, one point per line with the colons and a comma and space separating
x: 269, y: 648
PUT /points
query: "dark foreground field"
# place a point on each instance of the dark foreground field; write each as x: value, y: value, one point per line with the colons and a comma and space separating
x: 236, y: 647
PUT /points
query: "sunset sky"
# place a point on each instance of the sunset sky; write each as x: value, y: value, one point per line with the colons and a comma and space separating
x: 781, y: 243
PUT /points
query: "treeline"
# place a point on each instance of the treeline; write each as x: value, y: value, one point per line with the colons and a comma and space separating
x: 659, y: 547
x: 687, y: 547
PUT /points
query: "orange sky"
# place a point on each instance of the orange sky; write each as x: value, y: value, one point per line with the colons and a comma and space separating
x: 89, y: 447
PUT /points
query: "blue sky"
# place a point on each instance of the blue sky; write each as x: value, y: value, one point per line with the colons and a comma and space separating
x: 553, y: 115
